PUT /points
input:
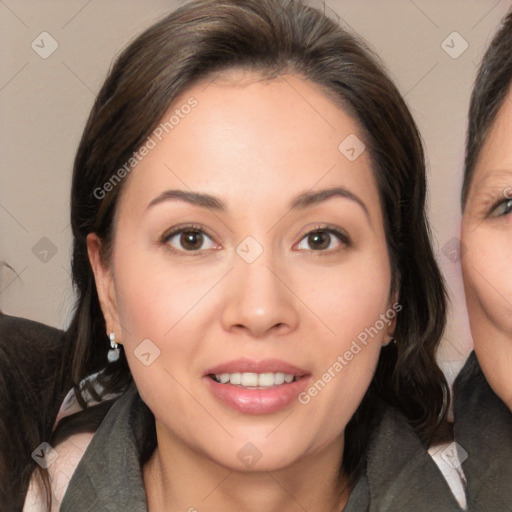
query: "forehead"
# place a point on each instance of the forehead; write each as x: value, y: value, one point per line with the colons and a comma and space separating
x: 255, y: 139
x: 495, y: 157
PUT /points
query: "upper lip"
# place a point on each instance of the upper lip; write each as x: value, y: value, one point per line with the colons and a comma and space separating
x: 244, y: 365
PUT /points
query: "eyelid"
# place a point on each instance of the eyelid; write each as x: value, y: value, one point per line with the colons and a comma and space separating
x: 185, y: 227
x: 497, y: 205
x: 164, y: 239
x: 339, y: 233
x: 488, y: 198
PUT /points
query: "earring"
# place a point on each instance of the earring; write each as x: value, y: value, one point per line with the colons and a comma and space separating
x: 392, y: 341
x: 113, y: 353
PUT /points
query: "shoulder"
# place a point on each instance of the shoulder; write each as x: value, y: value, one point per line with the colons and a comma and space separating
x: 474, y: 401
x: 30, y: 346
x: 470, y: 376
x: 63, y: 457
x: 109, y: 473
x: 69, y: 452
x: 482, y: 432
x: 62, y: 461
x: 401, y: 473
x: 31, y: 356
x: 23, y: 329
x: 31, y: 388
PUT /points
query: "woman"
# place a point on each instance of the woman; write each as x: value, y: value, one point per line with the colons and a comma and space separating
x: 483, y: 421
x: 250, y: 241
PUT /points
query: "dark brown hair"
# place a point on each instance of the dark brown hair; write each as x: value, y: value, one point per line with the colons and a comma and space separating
x: 30, y: 395
x: 205, y: 38
x: 489, y: 92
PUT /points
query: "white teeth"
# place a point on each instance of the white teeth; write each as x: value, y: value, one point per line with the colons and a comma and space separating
x: 279, y: 378
x: 249, y: 379
x: 288, y: 378
x: 235, y: 378
x: 266, y: 379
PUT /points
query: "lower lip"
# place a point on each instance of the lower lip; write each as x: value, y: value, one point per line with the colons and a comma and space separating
x: 257, y: 401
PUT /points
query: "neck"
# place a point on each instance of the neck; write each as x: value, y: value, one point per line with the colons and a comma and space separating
x: 179, y: 478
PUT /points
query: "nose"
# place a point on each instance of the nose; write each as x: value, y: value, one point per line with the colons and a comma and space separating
x: 260, y: 301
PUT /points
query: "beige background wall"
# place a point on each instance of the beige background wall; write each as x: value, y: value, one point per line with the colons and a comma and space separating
x: 44, y: 103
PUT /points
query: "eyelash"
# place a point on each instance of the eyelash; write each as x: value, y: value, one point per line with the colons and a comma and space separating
x: 342, y: 237
x: 499, y: 203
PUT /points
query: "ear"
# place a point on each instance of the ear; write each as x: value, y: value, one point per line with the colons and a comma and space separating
x: 391, y: 315
x: 104, y: 283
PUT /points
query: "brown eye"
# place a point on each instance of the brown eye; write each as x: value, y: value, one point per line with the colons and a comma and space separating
x: 319, y: 240
x: 324, y: 239
x: 188, y: 240
x: 191, y: 240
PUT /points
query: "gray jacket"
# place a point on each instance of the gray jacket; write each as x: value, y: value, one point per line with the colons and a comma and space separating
x: 483, y: 429
x: 400, y: 475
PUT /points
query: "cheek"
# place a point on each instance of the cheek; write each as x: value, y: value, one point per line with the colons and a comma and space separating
x: 488, y: 277
x: 155, y: 295
x: 353, y: 303
x: 163, y: 322
x: 355, y: 296
x: 162, y: 311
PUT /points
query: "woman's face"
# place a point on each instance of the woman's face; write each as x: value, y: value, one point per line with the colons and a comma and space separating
x: 238, y: 285
x: 487, y: 237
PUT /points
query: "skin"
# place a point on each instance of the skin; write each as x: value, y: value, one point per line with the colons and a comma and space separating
x: 256, y: 145
x: 487, y: 236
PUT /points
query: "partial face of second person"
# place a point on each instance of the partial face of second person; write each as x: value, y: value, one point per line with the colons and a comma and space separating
x: 487, y: 237
x: 215, y: 289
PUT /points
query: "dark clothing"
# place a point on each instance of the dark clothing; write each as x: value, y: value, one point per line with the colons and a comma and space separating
x: 400, y: 475
x: 483, y: 429
x: 30, y: 394
x: 109, y: 475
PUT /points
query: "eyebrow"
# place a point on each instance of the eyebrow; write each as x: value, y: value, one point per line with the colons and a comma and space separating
x: 302, y: 201
x: 311, y: 198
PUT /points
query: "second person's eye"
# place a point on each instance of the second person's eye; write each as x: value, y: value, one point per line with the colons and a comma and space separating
x: 503, y: 208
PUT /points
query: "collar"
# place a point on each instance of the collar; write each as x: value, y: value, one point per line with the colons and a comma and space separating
x: 108, y: 478
x: 400, y: 473
x: 483, y: 428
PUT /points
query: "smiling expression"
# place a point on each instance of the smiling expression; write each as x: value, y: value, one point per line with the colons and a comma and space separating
x: 250, y: 252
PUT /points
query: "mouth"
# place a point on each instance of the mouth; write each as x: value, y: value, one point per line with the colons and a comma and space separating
x: 256, y: 387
